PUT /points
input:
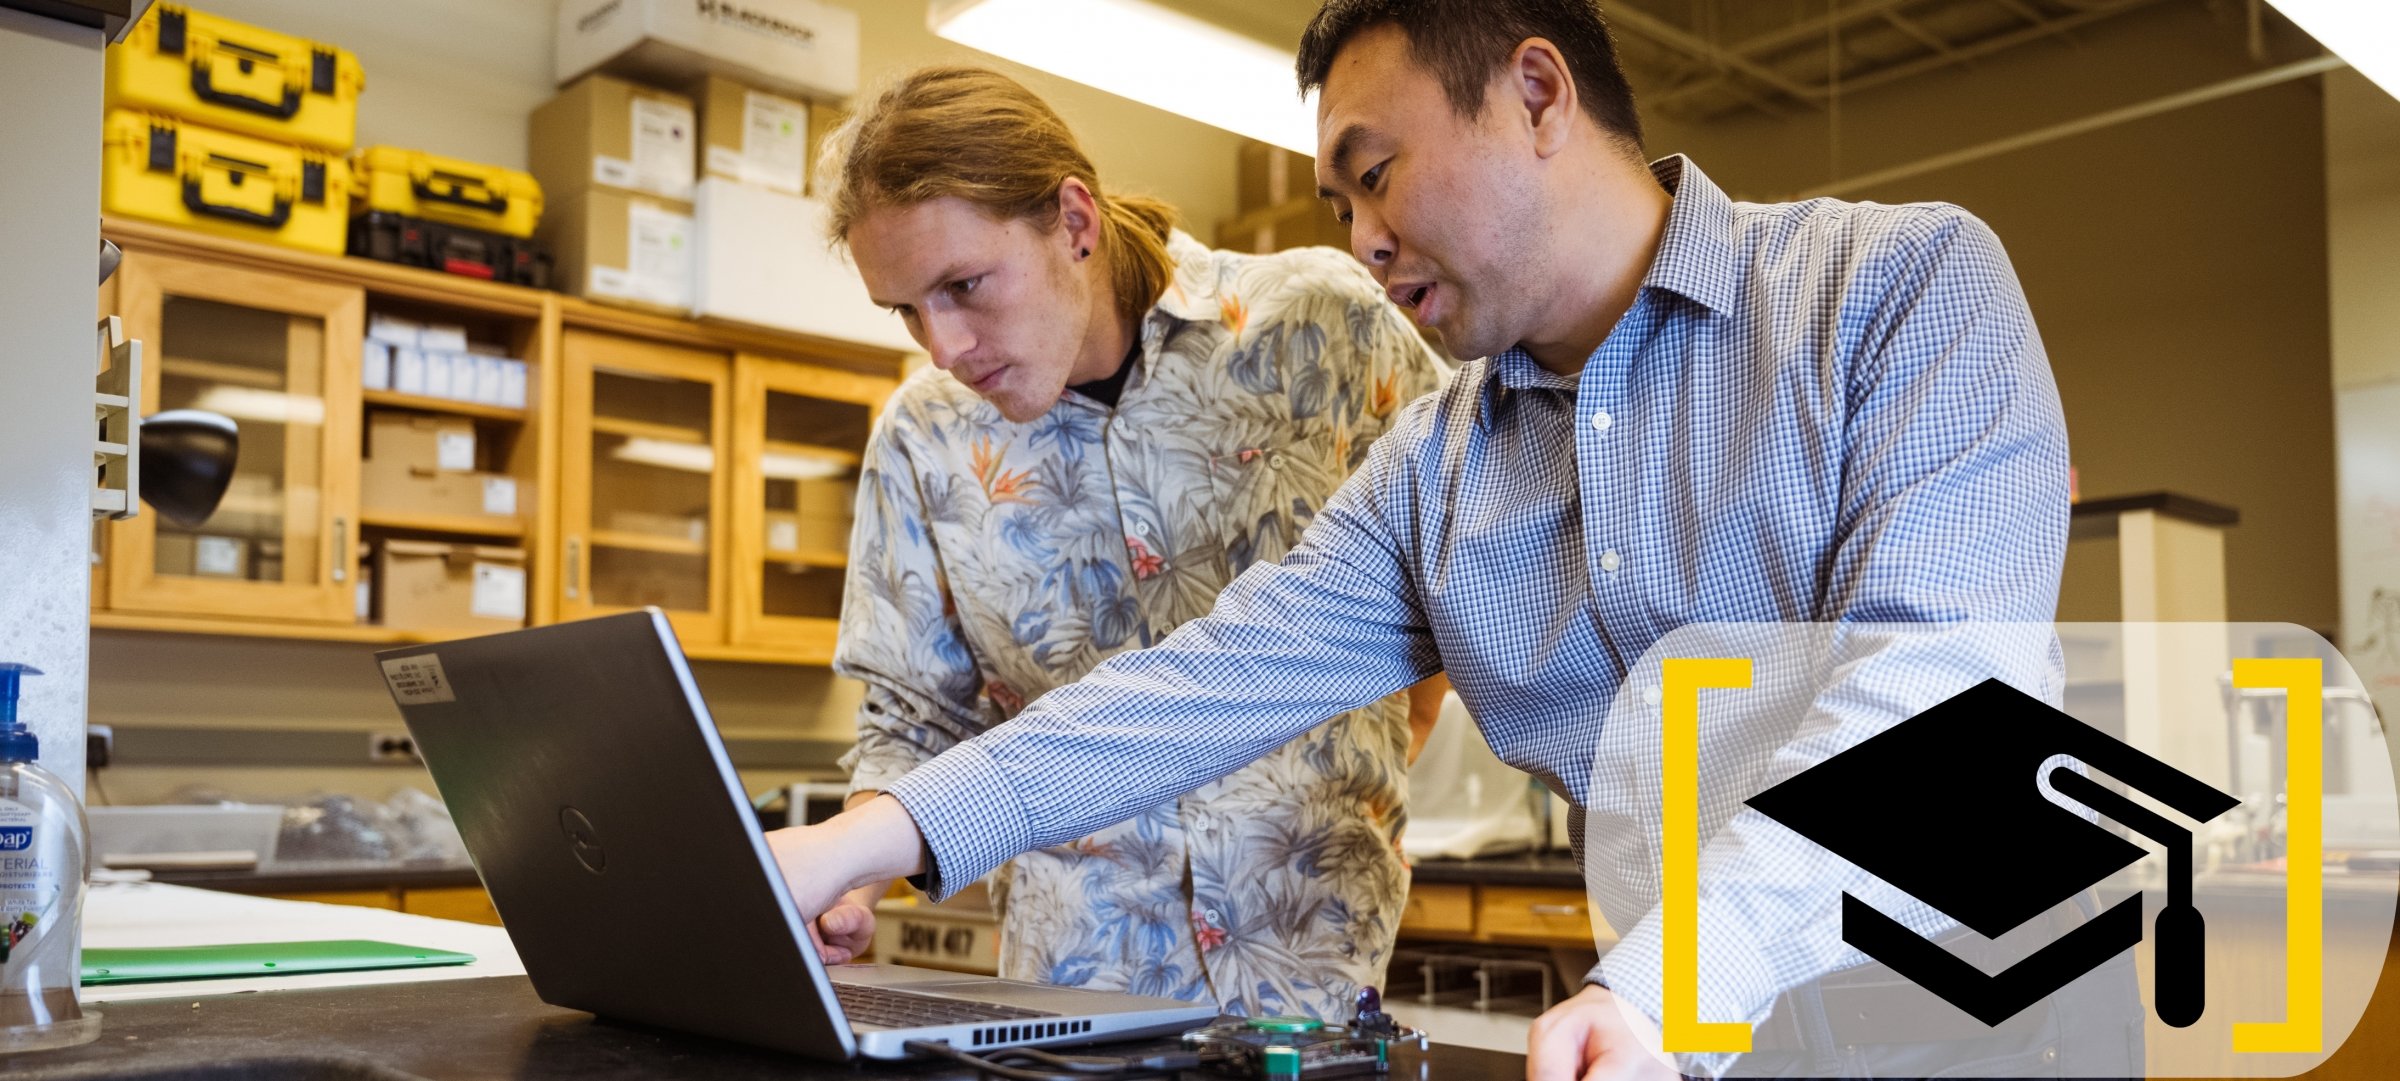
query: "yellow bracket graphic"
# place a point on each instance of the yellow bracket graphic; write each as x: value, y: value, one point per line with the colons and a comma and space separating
x: 1681, y: 1029
x: 2303, y: 1028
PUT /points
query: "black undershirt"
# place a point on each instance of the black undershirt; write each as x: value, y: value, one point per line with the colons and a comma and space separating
x: 1107, y: 391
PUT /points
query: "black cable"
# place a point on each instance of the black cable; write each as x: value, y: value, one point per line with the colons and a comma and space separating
x: 1063, y: 1067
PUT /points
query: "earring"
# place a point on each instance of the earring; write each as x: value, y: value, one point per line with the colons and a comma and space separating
x: 1087, y: 253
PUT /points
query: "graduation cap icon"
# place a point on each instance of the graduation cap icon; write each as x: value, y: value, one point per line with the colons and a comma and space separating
x: 1947, y: 807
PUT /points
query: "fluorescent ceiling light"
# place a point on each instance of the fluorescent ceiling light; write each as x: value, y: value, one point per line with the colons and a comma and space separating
x: 1139, y: 50
x: 2364, y: 32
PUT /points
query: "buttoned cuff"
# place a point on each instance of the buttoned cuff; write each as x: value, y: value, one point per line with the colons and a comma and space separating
x: 969, y: 814
x: 1735, y: 982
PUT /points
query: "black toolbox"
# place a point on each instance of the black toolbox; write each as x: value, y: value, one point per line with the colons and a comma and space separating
x: 453, y: 249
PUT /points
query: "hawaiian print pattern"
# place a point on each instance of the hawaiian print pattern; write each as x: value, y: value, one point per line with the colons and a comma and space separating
x: 994, y: 561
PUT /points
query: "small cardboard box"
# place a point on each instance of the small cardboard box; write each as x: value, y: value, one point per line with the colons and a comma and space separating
x: 799, y: 48
x: 201, y: 555
x: 608, y: 134
x: 438, y: 586
x: 820, y: 522
x: 626, y: 250
x: 421, y: 464
x: 752, y: 136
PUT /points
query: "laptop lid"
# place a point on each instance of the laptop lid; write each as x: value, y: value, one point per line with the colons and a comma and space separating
x: 612, y: 832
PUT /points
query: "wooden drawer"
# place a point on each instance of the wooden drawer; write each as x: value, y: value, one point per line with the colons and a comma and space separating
x: 467, y: 904
x: 1562, y: 917
x: 1439, y: 908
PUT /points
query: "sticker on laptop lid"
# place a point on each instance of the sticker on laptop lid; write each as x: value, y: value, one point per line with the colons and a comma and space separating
x: 418, y: 680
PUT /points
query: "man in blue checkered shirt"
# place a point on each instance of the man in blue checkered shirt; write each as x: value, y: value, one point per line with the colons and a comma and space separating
x: 1694, y: 410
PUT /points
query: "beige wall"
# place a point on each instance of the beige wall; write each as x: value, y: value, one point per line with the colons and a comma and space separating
x: 2362, y: 143
x: 2176, y: 265
x: 458, y: 77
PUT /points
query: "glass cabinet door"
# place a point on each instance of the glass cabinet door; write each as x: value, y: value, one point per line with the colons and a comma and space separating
x: 280, y: 357
x: 642, y: 508
x: 800, y: 432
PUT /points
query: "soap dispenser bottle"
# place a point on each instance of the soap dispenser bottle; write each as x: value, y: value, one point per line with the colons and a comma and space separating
x: 43, y: 850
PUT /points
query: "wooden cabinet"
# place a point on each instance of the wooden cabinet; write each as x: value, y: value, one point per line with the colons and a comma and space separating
x: 278, y: 353
x: 707, y: 470
x: 646, y: 432
x: 799, y: 433
x: 1515, y: 915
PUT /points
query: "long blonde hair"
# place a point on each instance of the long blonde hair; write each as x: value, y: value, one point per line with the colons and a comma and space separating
x: 978, y: 135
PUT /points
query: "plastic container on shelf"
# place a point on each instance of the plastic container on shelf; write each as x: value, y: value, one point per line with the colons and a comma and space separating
x: 42, y: 859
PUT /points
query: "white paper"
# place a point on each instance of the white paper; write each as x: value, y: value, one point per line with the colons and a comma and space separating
x: 499, y: 591
x: 375, y: 365
x: 455, y: 451
x: 500, y: 495
x: 408, y: 370
x: 774, y: 143
x: 218, y: 556
x: 725, y: 161
x: 659, y: 255
x: 783, y: 536
x: 609, y: 281
x: 418, y: 680
x: 662, y: 147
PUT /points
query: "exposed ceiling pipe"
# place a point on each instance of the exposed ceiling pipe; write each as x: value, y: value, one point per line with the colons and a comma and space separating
x: 2096, y: 122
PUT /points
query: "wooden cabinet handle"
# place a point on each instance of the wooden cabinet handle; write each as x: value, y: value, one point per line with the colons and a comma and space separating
x: 341, y: 549
x: 574, y: 568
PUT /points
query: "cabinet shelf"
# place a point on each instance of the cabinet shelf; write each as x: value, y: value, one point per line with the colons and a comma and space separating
x: 645, y: 542
x: 456, y: 524
x: 813, y: 452
x: 809, y: 560
x: 642, y: 429
x: 396, y: 400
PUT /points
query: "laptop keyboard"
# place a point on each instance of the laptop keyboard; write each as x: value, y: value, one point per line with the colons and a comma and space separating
x: 907, y: 1009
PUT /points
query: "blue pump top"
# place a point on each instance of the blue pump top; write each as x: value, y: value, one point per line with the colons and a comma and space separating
x: 17, y: 743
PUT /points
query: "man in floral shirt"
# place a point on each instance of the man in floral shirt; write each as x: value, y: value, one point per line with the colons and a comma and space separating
x: 1118, y: 422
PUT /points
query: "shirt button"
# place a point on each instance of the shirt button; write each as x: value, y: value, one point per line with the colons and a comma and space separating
x: 1609, y: 561
x: 1650, y: 696
x: 1601, y: 421
x: 1275, y: 460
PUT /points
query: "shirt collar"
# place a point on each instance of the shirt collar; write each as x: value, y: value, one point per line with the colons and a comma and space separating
x: 1191, y: 294
x: 1695, y: 261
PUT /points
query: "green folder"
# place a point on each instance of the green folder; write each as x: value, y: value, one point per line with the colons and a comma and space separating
x: 156, y: 964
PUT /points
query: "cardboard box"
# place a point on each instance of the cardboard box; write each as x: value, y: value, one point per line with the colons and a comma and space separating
x: 201, y: 555
x: 800, y: 48
x: 438, y: 586
x: 752, y: 136
x: 606, y: 133
x: 624, y: 249
x: 820, y: 522
x: 764, y: 261
x: 421, y: 464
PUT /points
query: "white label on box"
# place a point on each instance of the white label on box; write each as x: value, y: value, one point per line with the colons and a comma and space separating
x: 659, y: 255
x: 613, y: 172
x: 500, y: 495
x: 662, y: 147
x: 408, y: 371
x: 609, y: 281
x: 455, y: 452
x: 725, y: 161
x: 499, y: 591
x: 784, y: 536
x: 489, y: 377
x: 219, y: 556
x: 418, y: 680
x: 774, y: 143
x: 375, y: 365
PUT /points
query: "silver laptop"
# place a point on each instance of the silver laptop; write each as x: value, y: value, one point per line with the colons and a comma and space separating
x: 620, y: 849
